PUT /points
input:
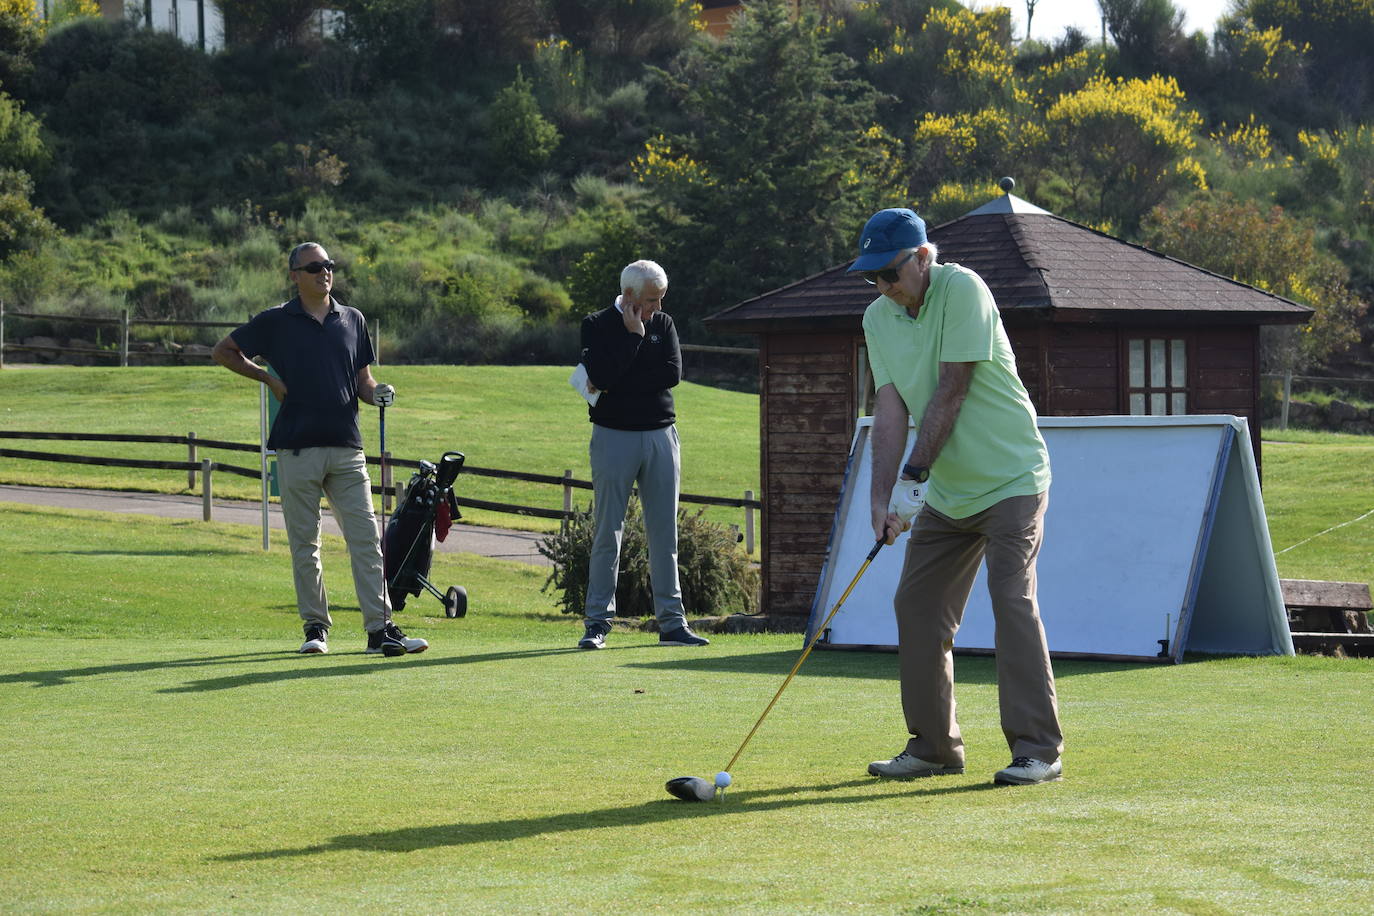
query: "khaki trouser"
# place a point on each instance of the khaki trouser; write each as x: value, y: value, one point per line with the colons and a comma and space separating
x: 941, y: 562
x: 340, y: 473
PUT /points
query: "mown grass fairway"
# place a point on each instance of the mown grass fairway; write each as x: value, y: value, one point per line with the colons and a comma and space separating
x: 512, y: 418
x: 167, y: 750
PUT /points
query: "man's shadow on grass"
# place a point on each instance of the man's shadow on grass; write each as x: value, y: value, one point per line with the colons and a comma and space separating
x: 298, y: 667
x: 177, y: 552
x: 412, y: 839
x: 58, y: 677
x: 313, y: 669
x: 881, y: 665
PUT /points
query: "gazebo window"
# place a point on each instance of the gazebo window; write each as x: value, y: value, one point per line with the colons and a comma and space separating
x: 1157, y: 376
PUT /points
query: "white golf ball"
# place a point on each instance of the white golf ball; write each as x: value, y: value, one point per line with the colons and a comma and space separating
x: 723, y: 779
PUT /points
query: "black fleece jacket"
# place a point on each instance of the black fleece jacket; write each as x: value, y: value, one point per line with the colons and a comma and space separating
x: 635, y: 374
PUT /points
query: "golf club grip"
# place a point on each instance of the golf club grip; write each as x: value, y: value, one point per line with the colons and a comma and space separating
x: 811, y: 644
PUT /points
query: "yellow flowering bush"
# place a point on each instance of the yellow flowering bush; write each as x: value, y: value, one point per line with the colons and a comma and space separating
x: 660, y: 164
x: 58, y: 11
x: 1124, y: 144
x: 1248, y: 143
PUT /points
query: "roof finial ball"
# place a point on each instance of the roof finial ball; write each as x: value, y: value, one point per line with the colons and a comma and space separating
x: 1006, y: 184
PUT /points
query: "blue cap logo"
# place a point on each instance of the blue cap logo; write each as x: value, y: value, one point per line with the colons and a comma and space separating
x: 887, y: 233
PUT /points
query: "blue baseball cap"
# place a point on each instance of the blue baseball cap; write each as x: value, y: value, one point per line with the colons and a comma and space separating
x: 885, y: 234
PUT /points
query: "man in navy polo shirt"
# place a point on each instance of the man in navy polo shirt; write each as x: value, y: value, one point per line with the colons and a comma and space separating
x: 321, y: 353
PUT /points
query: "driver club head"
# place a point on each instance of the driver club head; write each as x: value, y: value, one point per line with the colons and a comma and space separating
x: 690, y: 788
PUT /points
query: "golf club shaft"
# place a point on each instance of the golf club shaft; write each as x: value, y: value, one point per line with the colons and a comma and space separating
x: 811, y: 644
x: 381, y: 472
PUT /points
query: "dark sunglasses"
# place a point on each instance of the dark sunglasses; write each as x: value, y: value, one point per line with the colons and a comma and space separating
x: 315, y: 267
x: 887, y: 274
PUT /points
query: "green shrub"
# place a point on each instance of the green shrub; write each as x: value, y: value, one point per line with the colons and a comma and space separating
x: 715, y: 575
x: 520, y: 138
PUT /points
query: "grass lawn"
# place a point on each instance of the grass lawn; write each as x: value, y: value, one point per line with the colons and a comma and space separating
x: 512, y: 418
x: 166, y: 750
x: 1319, y: 499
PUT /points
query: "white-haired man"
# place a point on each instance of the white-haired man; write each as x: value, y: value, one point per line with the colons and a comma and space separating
x: 974, y: 488
x: 633, y: 359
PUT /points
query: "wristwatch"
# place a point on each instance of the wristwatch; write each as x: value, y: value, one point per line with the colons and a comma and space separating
x: 920, y: 475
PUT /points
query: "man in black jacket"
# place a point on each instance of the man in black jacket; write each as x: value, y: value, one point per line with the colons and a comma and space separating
x: 632, y: 357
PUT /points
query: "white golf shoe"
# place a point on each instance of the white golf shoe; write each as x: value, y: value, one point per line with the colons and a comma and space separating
x: 1028, y: 771
x: 907, y: 766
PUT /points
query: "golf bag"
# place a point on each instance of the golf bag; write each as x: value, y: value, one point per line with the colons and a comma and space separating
x: 424, y: 512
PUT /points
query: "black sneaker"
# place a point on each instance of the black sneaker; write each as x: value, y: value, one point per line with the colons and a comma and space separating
x: 389, y: 641
x: 682, y: 636
x: 594, y: 638
x: 315, y: 643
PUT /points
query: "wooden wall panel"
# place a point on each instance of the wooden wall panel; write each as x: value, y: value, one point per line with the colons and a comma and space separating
x: 808, y: 405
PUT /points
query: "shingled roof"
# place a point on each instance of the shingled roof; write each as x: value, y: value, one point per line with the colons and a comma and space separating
x: 1037, y: 264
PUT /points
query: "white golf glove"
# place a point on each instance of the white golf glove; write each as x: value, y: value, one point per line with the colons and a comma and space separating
x: 383, y: 395
x: 908, y: 498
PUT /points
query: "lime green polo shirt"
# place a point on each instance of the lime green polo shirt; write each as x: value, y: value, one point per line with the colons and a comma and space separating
x: 995, y: 450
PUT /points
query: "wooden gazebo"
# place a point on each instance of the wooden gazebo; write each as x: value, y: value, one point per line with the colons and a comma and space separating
x: 1099, y: 326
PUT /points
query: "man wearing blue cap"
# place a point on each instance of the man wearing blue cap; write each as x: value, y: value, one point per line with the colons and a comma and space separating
x: 974, y: 488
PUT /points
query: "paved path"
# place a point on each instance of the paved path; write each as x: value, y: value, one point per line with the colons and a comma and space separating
x: 502, y: 543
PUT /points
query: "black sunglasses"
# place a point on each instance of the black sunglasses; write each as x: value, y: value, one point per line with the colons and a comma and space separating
x: 315, y: 267
x: 887, y: 274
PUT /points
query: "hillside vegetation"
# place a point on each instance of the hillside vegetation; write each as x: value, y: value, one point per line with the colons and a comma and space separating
x: 482, y: 171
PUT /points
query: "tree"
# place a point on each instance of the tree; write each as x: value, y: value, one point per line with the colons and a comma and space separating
x: 416, y: 41
x: 266, y: 21
x: 776, y: 169
x: 521, y: 139
x: 1338, y: 37
x: 627, y: 29
x: 21, y: 33
x: 21, y: 146
x: 1123, y: 146
x: 22, y: 225
x: 1256, y: 71
x: 1268, y: 249
x: 1147, y: 33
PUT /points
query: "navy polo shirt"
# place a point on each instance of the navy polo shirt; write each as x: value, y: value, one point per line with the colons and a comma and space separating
x: 319, y: 362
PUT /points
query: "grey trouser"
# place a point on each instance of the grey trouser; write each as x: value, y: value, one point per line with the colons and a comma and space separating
x: 620, y: 459
x: 340, y: 473
x: 942, y: 560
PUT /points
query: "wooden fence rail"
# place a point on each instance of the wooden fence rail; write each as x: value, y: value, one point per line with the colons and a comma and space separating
x: 123, y: 322
x: 204, y: 467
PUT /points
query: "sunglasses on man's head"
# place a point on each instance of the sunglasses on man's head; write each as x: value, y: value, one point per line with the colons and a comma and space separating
x: 315, y: 267
x: 887, y: 274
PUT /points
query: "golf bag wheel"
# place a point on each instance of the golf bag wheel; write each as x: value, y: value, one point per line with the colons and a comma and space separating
x: 456, y: 602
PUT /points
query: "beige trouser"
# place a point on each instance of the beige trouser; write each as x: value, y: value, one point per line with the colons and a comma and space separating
x: 942, y: 560
x: 340, y: 473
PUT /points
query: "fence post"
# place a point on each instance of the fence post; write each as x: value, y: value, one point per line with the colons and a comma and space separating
x: 191, y: 458
x: 567, y: 500
x: 2, y: 333
x: 748, y: 522
x: 124, y: 338
x: 206, y: 466
x: 1287, y: 394
x: 377, y: 340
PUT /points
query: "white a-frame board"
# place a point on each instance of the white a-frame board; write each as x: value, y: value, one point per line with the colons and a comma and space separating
x: 1155, y: 544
